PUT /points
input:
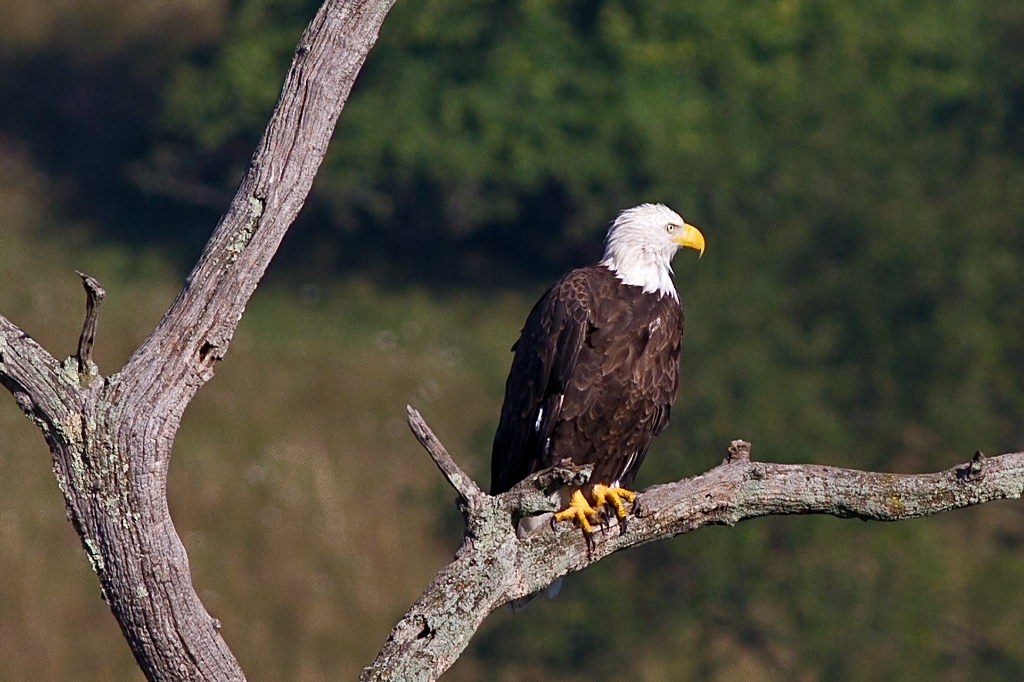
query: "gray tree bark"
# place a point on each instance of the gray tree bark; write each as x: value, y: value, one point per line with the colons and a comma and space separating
x: 111, y: 436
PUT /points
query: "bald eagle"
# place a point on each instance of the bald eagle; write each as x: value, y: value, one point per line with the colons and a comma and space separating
x: 596, y: 366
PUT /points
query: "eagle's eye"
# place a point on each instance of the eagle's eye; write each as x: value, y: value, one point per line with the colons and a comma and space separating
x: 670, y: 228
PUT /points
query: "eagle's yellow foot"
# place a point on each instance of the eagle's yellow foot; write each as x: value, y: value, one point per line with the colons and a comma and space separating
x: 614, y: 496
x: 579, y: 510
x: 583, y: 511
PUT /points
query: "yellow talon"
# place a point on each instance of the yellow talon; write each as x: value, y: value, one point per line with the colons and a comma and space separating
x: 579, y: 510
x: 583, y: 512
x: 613, y: 496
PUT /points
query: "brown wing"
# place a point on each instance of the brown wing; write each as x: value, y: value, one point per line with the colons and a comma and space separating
x: 546, y: 355
x: 626, y: 378
x: 593, y: 380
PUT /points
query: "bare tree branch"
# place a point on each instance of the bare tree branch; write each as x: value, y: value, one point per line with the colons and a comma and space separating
x: 111, y: 438
x: 43, y: 388
x: 465, y: 486
x: 493, y: 566
x: 94, y: 295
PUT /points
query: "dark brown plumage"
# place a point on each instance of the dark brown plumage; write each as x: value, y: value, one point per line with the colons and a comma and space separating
x: 593, y: 379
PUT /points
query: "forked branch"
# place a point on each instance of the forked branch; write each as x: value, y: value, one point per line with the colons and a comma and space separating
x: 493, y: 566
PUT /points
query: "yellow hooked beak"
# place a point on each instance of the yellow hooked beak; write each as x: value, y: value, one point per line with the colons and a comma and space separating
x: 690, y: 237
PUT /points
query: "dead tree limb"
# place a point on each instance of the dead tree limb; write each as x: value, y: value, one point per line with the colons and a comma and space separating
x: 94, y: 295
x: 493, y: 566
x: 111, y: 436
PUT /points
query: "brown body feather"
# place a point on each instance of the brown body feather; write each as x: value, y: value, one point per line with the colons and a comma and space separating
x: 594, y: 375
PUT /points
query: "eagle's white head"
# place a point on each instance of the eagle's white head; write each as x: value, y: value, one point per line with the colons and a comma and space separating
x: 641, y: 243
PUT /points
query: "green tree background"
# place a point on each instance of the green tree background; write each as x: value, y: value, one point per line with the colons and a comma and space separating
x: 857, y: 167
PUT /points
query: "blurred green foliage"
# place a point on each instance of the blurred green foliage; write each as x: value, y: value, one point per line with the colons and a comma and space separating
x: 857, y: 167
x: 529, y: 123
